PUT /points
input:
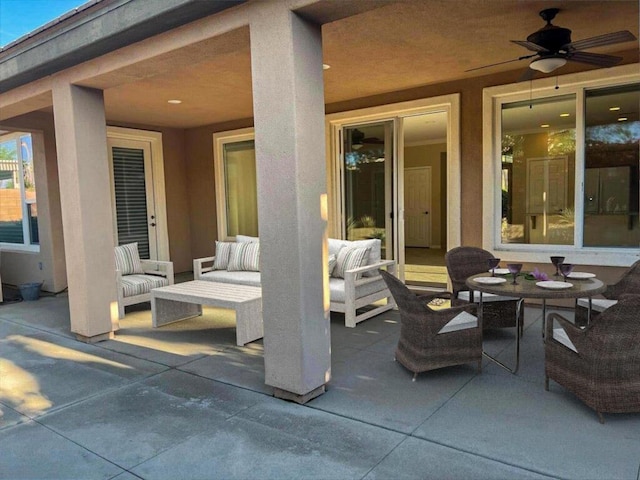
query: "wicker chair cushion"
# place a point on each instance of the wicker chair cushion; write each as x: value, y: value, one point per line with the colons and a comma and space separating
x: 461, y: 321
x: 486, y: 297
x: 597, y: 304
x: 133, y: 285
x: 560, y: 335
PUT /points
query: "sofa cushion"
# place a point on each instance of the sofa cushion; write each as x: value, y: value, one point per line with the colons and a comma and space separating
x: 223, y: 251
x: 240, y: 278
x: 244, y: 256
x: 350, y: 258
x: 133, y: 285
x: 337, y: 291
x: 128, y: 259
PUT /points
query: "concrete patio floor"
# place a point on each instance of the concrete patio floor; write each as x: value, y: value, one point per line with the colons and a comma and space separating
x: 183, y: 402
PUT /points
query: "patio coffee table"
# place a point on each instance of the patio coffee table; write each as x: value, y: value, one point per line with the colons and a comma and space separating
x: 185, y: 300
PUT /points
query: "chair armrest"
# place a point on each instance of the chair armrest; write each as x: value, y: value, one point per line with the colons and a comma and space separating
x: 161, y: 268
x: 350, y: 276
x: 199, y: 268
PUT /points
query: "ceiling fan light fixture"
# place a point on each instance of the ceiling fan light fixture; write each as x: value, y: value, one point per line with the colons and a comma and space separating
x: 548, y: 64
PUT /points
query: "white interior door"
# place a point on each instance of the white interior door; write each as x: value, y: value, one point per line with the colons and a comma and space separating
x: 417, y: 208
x: 133, y: 195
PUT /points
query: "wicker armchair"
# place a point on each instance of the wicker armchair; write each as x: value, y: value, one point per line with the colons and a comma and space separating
x: 431, y: 339
x: 600, y: 364
x: 463, y: 262
x: 629, y: 282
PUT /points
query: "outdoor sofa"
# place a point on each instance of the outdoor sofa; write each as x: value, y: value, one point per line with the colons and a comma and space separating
x: 353, y: 268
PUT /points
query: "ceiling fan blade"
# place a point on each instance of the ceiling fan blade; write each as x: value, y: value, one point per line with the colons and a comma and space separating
x: 502, y: 63
x: 600, y: 40
x: 534, y: 47
x: 594, y: 59
x: 528, y: 74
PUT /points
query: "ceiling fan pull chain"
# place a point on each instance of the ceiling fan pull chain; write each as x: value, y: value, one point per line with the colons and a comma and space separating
x: 557, y: 87
x: 530, y: 94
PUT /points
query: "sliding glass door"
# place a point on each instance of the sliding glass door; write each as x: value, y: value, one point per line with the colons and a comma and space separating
x: 368, y: 183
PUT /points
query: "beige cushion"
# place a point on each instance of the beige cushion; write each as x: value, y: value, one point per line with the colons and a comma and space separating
x: 223, y: 251
x: 348, y: 259
x: 244, y: 256
x: 133, y: 285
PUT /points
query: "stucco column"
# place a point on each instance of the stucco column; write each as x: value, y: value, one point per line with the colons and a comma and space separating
x: 87, y: 221
x: 288, y: 106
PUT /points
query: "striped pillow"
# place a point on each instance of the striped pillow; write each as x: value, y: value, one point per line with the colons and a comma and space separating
x: 245, y: 256
x: 128, y: 259
x: 333, y: 261
x: 223, y: 249
x: 350, y: 258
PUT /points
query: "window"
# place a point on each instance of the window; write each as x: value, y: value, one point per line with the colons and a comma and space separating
x: 565, y: 163
x: 18, y: 206
x: 236, y: 183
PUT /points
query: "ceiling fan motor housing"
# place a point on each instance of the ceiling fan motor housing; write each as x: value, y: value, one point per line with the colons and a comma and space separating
x: 551, y: 38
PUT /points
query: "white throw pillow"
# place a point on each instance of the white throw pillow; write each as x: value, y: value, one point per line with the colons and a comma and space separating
x: 244, y: 256
x: 348, y: 259
x: 128, y: 259
x: 333, y: 261
x: 223, y: 250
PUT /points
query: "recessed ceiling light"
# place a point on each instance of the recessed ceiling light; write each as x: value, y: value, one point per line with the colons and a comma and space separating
x: 614, y: 109
x: 544, y: 125
x: 326, y: 66
x: 174, y: 102
x: 622, y: 119
x: 565, y: 114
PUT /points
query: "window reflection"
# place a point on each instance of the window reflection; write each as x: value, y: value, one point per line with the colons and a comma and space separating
x: 612, y: 137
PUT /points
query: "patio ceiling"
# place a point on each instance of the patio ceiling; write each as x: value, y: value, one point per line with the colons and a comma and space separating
x: 395, y: 47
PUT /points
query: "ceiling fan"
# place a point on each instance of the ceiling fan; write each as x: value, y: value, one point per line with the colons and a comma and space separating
x: 553, y: 48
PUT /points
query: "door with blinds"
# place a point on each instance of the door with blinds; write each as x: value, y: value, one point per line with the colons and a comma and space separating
x: 132, y: 195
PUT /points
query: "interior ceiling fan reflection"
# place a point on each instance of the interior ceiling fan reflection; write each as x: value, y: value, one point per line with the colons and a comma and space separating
x: 553, y: 48
x: 358, y: 140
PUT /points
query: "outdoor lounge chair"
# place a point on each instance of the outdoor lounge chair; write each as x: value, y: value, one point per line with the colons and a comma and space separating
x: 136, y: 278
x: 600, y: 364
x: 430, y: 338
x: 629, y: 282
x: 463, y: 262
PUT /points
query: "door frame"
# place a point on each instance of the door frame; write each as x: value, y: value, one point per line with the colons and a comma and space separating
x: 334, y: 123
x: 154, y: 140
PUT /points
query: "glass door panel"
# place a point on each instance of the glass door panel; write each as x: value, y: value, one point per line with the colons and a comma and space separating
x: 368, y: 183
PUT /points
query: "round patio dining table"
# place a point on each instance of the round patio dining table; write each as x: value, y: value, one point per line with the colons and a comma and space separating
x: 525, y: 288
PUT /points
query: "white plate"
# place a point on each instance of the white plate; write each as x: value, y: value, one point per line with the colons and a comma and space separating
x: 490, y: 280
x: 581, y: 275
x: 501, y: 271
x: 553, y: 285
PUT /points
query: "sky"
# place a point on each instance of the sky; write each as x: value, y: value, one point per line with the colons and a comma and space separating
x: 19, y: 17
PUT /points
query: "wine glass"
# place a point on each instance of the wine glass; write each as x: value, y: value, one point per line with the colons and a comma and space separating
x: 557, y: 261
x: 514, y: 269
x: 493, y: 263
x: 566, y: 269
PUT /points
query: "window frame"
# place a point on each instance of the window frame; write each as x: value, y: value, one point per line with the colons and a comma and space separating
x: 493, y: 99
x: 26, y: 245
